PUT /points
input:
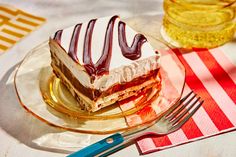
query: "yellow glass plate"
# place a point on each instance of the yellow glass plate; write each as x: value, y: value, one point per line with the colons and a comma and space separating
x: 42, y: 94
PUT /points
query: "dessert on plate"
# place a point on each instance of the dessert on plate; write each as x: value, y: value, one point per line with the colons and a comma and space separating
x: 104, y: 61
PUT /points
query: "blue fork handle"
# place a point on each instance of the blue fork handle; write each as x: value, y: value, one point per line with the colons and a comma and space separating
x: 99, y: 146
x: 113, y: 150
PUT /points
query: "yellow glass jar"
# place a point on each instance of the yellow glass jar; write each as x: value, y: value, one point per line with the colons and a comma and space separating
x: 199, y: 23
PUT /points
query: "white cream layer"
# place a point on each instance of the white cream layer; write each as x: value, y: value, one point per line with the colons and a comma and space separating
x: 121, y: 69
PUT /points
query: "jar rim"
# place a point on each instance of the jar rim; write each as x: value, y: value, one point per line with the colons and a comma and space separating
x: 205, y: 4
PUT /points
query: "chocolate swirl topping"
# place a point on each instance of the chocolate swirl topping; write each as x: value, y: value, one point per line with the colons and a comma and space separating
x: 57, y: 36
x: 102, y: 65
x: 74, y: 42
x: 133, y: 52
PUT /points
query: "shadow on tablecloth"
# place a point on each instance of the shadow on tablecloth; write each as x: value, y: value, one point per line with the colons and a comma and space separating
x: 16, y: 122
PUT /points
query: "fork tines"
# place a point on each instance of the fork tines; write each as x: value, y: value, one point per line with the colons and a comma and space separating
x: 184, y: 109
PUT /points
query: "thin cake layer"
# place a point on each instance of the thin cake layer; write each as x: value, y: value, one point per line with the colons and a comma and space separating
x: 116, y: 95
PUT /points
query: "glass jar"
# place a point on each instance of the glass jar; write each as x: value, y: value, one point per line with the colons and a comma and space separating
x: 199, y: 23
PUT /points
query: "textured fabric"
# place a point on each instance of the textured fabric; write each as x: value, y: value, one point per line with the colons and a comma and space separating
x: 212, y: 75
x: 14, y: 25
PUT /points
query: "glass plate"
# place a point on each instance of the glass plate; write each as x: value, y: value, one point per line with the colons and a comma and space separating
x: 43, y: 95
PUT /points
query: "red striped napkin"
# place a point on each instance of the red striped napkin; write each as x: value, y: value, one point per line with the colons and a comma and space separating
x: 212, y: 75
x: 14, y: 25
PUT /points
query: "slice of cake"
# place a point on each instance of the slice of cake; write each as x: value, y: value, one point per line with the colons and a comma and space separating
x: 103, y: 61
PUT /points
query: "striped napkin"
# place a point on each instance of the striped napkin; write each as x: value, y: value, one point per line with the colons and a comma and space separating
x: 212, y: 75
x: 14, y: 25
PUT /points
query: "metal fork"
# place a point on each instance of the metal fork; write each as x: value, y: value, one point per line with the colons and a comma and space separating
x: 171, y: 121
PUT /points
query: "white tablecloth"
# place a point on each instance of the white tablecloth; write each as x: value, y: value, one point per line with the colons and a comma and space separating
x: 18, y: 129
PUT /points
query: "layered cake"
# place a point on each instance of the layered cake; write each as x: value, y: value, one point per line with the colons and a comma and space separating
x: 103, y: 61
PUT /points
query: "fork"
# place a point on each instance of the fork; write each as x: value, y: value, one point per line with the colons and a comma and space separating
x: 171, y: 121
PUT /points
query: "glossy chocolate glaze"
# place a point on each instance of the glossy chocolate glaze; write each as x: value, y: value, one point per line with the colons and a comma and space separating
x: 102, y: 65
x: 134, y: 51
x: 74, y: 42
x: 57, y: 36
